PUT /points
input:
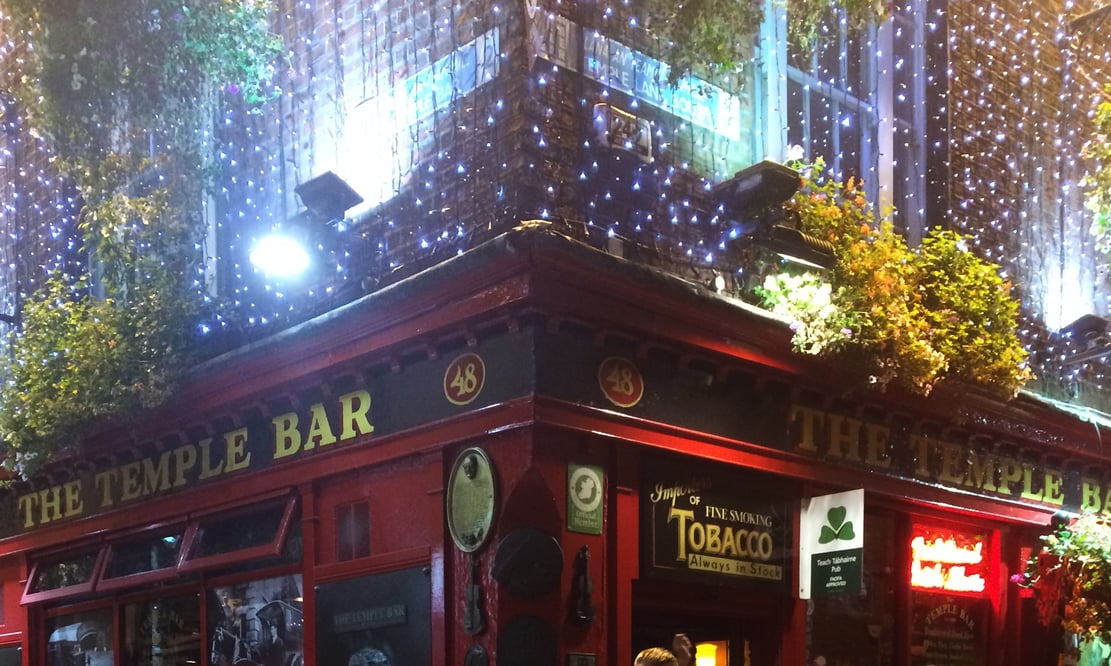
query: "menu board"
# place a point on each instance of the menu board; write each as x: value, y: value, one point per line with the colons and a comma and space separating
x: 949, y: 630
x: 378, y: 620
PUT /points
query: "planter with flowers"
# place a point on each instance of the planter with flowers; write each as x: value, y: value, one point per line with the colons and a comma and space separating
x: 913, y: 317
x: 1071, y: 578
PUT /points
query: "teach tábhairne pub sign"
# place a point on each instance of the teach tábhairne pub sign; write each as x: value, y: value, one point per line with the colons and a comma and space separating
x: 713, y: 525
x: 831, y: 544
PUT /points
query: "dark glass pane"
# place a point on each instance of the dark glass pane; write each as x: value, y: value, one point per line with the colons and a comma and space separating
x: 353, y: 531
x: 80, y: 639
x: 143, y: 556
x: 796, y: 114
x: 293, y: 550
x: 828, y: 50
x: 855, y: 62
x: 162, y: 632
x: 849, y: 146
x: 226, y: 535
x: 64, y: 572
x: 904, y: 71
x: 257, y: 622
x: 11, y: 656
x: 902, y: 188
x: 860, y: 628
x: 821, y: 135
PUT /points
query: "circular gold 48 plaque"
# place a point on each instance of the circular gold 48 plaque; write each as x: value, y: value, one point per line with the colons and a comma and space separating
x: 470, y: 499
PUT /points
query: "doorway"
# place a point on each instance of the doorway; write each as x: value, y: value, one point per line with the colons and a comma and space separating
x: 737, y: 626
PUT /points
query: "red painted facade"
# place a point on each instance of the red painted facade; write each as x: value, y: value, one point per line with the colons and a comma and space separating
x: 720, y: 396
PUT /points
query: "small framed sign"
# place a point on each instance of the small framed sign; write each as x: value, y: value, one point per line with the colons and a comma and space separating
x: 585, y: 491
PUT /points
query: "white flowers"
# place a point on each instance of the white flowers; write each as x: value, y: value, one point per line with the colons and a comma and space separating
x: 807, y: 301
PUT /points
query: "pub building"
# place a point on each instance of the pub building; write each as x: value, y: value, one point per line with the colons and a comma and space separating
x: 561, y: 459
x: 522, y: 425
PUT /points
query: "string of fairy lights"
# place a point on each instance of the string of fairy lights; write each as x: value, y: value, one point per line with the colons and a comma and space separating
x: 455, y: 121
x: 38, y: 206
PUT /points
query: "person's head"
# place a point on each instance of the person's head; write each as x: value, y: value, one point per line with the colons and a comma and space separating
x: 655, y: 657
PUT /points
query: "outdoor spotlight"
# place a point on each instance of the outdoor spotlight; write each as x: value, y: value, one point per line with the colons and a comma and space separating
x: 758, y: 188
x: 327, y: 197
x: 755, y: 197
x: 280, y: 254
x: 1086, y: 329
x: 1090, y: 331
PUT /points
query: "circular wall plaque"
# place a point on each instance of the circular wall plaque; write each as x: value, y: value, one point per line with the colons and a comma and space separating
x: 470, y: 500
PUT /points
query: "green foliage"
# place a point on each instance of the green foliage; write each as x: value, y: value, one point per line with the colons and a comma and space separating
x: 124, y: 90
x: 1071, y: 578
x: 1097, y: 179
x: 971, y: 313
x: 710, y: 37
x: 913, y: 317
x: 704, y: 35
x: 106, y: 74
x: 806, y: 17
x: 81, y: 360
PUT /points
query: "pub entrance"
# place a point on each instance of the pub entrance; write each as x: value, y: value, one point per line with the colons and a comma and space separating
x: 738, y: 625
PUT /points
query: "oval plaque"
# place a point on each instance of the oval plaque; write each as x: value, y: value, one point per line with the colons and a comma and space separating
x: 470, y: 499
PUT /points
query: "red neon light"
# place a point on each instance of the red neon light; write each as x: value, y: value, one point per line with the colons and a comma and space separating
x: 944, y: 564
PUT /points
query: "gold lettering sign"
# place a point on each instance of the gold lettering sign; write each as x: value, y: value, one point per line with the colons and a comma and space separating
x: 210, y: 458
x: 841, y: 438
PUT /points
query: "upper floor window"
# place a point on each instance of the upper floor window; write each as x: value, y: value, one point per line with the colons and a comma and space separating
x: 857, y: 100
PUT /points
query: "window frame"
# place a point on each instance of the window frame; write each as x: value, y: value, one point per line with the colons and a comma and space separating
x: 273, y: 548
x: 86, y: 587
x: 99, y: 582
x: 878, y: 109
x: 108, y: 584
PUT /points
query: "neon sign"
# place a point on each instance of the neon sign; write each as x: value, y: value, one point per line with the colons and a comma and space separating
x: 950, y: 563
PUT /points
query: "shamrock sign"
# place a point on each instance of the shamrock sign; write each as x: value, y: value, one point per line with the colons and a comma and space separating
x: 837, y: 527
x: 831, y: 550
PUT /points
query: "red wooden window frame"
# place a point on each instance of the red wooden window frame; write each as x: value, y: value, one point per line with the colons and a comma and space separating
x: 99, y: 581
x: 273, y: 548
x: 107, y: 583
x: 30, y: 596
